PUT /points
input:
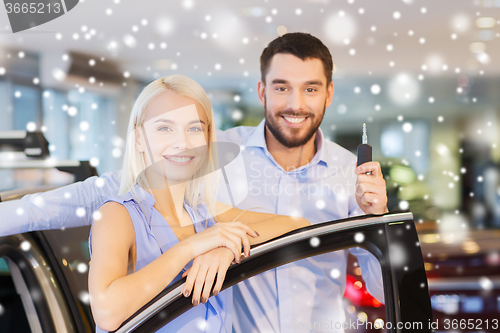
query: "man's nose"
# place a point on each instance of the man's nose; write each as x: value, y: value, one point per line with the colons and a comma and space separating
x: 296, y: 101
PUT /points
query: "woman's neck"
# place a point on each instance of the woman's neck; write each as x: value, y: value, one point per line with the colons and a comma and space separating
x: 169, y: 200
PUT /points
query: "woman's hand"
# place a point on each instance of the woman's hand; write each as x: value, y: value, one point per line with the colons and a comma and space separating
x: 202, y: 274
x: 231, y: 235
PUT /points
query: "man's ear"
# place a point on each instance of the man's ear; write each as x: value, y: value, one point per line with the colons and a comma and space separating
x: 261, y: 91
x: 329, y: 94
x: 139, y: 141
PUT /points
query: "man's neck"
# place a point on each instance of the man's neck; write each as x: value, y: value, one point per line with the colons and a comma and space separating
x: 290, y: 158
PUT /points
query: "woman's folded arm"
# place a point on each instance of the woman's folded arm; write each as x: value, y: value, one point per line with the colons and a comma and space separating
x: 114, y: 295
x: 267, y: 225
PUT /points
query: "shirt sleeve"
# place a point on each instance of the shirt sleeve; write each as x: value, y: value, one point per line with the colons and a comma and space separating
x: 371, y: 272
x: 68, y: 206
x: 370, y: 267
x: 354, y: 209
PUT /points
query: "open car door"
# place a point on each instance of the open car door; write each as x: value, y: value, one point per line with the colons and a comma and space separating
x: 391, y: 238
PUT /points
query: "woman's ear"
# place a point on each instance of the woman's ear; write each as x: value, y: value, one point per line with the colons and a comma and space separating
x: 139, y: 141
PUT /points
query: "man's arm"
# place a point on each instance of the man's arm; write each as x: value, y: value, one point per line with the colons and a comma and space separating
x: 370, y: 267
x: 371, y: 272
x: 68, y: 206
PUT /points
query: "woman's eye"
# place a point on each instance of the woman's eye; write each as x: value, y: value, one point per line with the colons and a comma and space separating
x: 195, y: 129
x: 164, y: 128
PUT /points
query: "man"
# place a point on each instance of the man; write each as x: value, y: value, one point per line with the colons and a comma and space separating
x: 291, y: 169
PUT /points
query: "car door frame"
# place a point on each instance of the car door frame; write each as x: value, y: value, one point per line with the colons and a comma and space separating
x: 391, y: 238
x: 37, y: 284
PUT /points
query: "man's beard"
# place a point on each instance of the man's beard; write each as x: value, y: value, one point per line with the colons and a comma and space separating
x: 294, y: 140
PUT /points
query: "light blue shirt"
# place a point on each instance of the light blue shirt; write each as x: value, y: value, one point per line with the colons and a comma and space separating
x: 308, y: 290
x: 154, y: 236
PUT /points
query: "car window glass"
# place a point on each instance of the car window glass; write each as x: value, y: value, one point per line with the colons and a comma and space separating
x: 12, y: 309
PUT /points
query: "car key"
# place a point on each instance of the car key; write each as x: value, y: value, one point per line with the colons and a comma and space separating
x: 364, y: 149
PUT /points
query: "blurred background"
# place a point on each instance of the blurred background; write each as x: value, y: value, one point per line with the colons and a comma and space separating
x: 423, y: 75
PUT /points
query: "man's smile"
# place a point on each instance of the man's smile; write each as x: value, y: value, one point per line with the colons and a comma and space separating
x: 294, y: 121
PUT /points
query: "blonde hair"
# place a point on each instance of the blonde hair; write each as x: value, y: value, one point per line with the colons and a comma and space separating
x: 204, y: 182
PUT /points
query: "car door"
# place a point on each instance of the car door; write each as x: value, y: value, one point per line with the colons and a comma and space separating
x: 31, y: 296
x: 391, y: 238
x: 43, y: 279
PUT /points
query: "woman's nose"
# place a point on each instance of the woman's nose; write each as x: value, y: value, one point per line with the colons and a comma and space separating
x: 180, y: 141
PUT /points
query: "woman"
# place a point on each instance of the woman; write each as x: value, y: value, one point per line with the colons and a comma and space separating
x: 146, y: 237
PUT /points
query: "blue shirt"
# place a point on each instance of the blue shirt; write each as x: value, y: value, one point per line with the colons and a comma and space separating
x: 309, y: 290
x: 153, y: 237
x: 322, y: 190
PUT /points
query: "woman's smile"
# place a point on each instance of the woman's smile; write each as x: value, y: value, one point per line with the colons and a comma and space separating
x: 179, y: 159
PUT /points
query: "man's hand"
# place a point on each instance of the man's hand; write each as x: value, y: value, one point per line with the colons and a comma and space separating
x: 202, y: 274
x: 371, y: 194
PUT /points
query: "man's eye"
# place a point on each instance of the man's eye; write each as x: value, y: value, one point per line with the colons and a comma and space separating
x: 281, y: 88
x: 310, y: 90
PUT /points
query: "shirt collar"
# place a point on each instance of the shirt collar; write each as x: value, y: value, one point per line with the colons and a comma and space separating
x: 321, y: 150
x: 258, y: 139
x: 148, y: 197
x: 144, y: 195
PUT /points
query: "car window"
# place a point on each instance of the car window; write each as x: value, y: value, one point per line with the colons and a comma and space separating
x: 16, y: 304
x: 362, y: 301
x: 34, y: 285
x: 70, y: 252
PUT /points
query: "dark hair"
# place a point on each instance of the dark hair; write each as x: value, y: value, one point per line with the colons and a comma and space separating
x: 303, y: 46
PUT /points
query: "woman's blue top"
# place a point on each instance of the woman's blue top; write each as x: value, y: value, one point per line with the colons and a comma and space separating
x: 153, y: 237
